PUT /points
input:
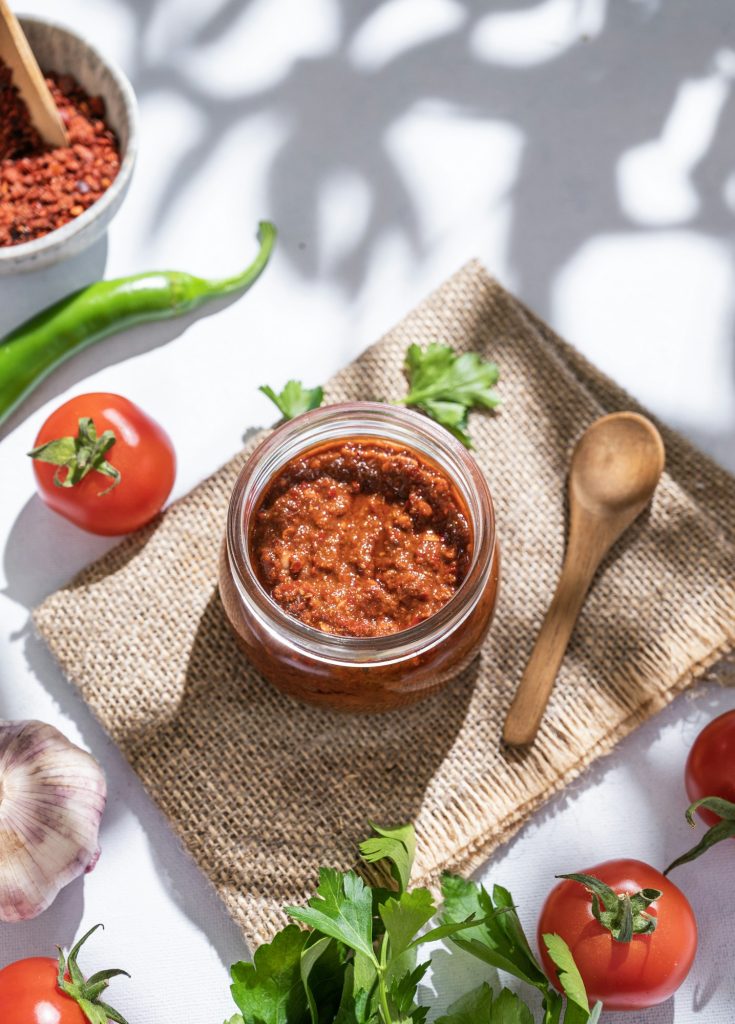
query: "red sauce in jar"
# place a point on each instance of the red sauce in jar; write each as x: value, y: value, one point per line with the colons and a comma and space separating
x: 361, y: 538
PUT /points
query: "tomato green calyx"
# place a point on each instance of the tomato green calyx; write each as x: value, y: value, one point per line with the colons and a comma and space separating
x: 623, y: 914
x: 724, y: 829
x: 87, y: 992
x: 79, y: 455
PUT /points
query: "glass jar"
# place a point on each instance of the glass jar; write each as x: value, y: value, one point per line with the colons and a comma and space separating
x: 360, y: 673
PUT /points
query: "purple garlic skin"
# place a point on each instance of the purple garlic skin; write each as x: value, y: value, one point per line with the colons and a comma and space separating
x: 52, y: 796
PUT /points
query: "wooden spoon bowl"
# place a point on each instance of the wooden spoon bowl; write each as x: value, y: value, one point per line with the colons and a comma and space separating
x: 616, y: 464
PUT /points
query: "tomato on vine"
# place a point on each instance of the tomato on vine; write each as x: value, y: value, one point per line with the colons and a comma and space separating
x: 632, y: 933
x: 103, y: 463
x: 710, y: 767
x: 710, y: 783
x: 44, y: 990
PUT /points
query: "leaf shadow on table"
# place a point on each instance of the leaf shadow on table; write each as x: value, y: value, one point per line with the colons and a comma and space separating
x: 579, y: 106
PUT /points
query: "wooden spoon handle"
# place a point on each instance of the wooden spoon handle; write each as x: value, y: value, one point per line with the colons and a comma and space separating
x: 29, y: 80
x: 527, y: 709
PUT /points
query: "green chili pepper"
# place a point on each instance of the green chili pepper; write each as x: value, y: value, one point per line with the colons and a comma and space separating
x: 38, y: 346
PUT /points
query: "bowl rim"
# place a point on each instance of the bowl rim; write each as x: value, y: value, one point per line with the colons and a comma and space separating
x: 59, y: 237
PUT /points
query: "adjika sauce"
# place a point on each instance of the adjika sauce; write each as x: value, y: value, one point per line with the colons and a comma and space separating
x: 361, y: 538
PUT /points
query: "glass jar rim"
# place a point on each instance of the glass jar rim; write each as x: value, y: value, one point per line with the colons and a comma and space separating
x: 394, y: 425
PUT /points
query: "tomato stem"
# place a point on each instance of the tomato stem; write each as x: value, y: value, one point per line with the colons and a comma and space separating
x: 87, y: 992
x: 79, y: 455
x: 623, y: 914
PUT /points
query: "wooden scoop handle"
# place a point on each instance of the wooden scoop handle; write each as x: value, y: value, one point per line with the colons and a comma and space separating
x: 29, y: 80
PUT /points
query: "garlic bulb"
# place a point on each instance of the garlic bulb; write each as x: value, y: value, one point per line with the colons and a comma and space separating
x: 52, y: 795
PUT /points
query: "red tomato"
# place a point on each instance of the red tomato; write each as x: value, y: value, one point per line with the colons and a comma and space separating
x: 142, y: 454
x: 623, y: 976
x: 29, y: 994
x: 710, y: 767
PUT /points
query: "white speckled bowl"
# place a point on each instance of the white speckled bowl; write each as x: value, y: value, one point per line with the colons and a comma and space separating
x: 61, y: 50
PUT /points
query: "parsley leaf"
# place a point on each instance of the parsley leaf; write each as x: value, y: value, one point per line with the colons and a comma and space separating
x: 578, y: 1007
x: 509, y: 1008
x: 480, y: 1007
x: 402, y: 995
x: 342, y: 909
x: 294, y: 398
x: 446, y: 385
x: 405, y: 916
x: 473, y: 1008
x: 397, y: 845
x: 355, y: 1006
x: 322, y: 974
x: 498, y: 939
x: 269, y: 990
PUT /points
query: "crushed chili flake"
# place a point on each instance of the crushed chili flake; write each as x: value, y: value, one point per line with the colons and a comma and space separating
x: 41, y: 189
x: 361, y: 539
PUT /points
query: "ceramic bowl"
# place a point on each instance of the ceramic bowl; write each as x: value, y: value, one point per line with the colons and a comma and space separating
x: 59, y: 49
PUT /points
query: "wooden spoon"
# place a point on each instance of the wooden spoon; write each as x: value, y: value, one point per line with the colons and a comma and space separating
x: 29, y: 80
x: 615, y: 469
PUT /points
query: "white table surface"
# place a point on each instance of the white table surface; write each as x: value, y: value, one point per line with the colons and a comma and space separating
x: 584, y: 151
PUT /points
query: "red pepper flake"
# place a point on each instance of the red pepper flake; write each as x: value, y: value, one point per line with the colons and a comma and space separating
x: 37, y: 184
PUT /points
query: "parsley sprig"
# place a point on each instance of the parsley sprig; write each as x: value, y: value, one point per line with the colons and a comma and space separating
x: 446, y: 386
x: 355, y: 961
x: 294, y: 398
x: 499, y: 940
x: 442, y: 384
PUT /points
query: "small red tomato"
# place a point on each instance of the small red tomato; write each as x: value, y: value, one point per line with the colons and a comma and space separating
x: 30, y: 991
x: 623, y: 975
x: 103, y: 463
x: 29, y: 994
x: 710, y: 767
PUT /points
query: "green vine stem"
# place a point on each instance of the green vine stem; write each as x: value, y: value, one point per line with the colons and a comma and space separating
x: 724, y: 829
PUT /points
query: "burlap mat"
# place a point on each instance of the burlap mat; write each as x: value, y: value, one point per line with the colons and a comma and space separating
x: 263, y: 790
